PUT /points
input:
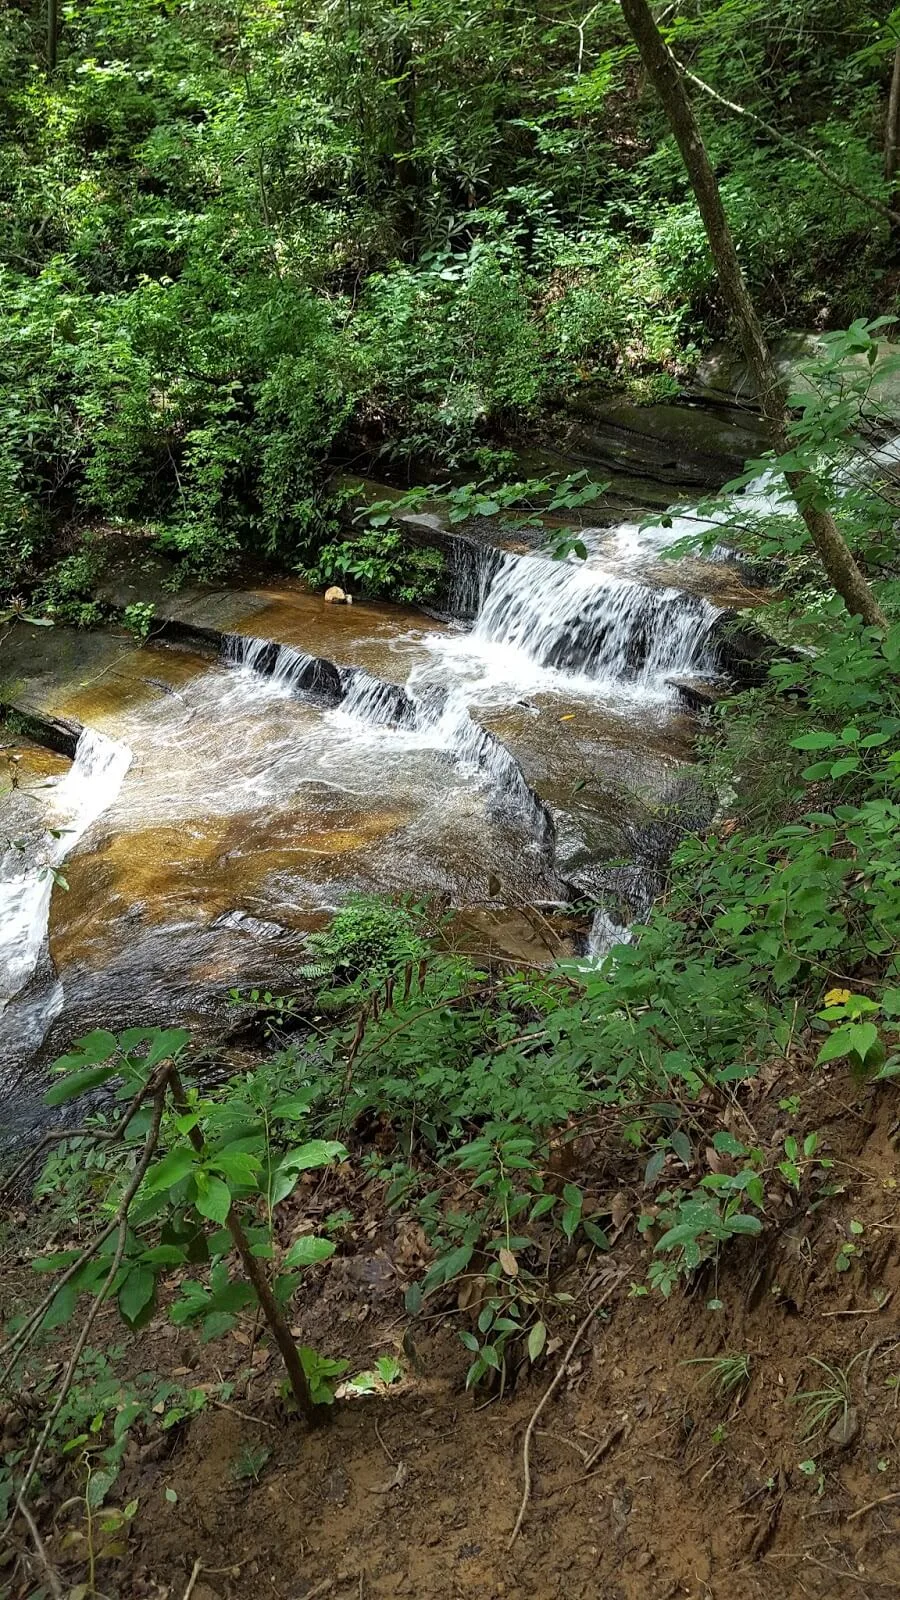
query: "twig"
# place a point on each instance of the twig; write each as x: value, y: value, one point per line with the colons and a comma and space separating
x: 195, y: 1573
x: 865, y: 1311
x: 246, y: 1415
x: 872, y: 1504
x: 49, y: 1569
x: 391, y: 1459
x: 548, y: 1393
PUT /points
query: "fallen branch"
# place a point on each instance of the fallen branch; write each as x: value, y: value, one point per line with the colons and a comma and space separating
x: 547, y: 1395
x: 872, y: 1505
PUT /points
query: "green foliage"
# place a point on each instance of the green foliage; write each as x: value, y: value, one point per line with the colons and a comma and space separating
x: 370, y: 938
x: 828, y: 1406
x: 378, y: 564
x: 231, y: 246
x: 222, y: 1165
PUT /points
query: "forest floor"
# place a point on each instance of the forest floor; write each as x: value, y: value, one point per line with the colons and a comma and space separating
x: 648, y: 1479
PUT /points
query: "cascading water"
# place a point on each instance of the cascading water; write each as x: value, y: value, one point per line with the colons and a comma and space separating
x: 86, y: 791
x: 578, y: 618
x: 429, y: 717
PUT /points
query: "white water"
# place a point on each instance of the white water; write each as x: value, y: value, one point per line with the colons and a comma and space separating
x: 90, y: 785
x: 425, y: 716
x: 583, y: 619
x: 604, y: 935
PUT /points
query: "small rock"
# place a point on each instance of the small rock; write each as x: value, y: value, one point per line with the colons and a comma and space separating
x: 845, y: 1429
x: 335, y: 596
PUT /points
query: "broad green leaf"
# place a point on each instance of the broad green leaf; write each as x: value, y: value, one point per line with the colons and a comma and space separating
x: 744, y: 1223
x: 237, y: 1165
x: 853, y: 1036
x: 136, y: 1294
x: 537, y: 1338
x: 814, y: 741
x: 61, y: 1307
x: 447, y: 1268
x: 77, y: 1083
x: 171, y: 1169
x: 308, y: 1250
x: 213, y: 1200
x: 96, y: 1046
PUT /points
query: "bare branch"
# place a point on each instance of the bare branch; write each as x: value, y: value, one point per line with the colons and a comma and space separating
x: 792, y: 144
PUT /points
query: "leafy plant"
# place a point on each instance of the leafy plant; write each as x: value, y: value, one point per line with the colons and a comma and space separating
x: 729, y: 1374
x: 829, y: 1406
x: 228, y: 1163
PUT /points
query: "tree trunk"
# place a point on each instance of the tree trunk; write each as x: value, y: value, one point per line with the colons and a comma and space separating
x: 52, y: 33
x: 892, y: 126
x: 834, y: 552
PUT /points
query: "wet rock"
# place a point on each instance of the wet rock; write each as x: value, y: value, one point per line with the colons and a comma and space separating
x: 54, y: 733
x: 698, y: 694
x: 685, y: 444
x: 744, y: 651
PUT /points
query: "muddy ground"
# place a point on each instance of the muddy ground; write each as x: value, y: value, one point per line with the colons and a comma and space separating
x: 647, y: 1482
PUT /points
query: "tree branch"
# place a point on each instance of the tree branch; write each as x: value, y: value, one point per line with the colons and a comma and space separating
x: 793, y: 144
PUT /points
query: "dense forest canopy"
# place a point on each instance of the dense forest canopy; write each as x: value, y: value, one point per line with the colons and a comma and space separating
x: 238, y: 240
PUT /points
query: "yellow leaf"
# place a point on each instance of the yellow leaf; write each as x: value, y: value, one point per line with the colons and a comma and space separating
x: 837, y: 997
x: 569, y: 717
x: 509, y: 1263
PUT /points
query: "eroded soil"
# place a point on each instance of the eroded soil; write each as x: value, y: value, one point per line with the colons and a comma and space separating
x: 647, y: 1483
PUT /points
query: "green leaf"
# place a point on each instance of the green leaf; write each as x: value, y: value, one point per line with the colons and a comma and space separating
x: 846, y: 764
x: 294, y: 1109
x: 681, y: 1144
x: 164, y: 1255
x: 447, y: 1268
x: 163, y: 1044
x: 596, y: 1235
x: 214, y: 1200
x: 744, y: 1223
x: 136, y: 1295
x: 814, y: 741
x: 61, y: 1307
x: 217, y: 1323
x: 237, y: 1165
x: 853, y: 1036
x: 727, y: 1145
x: 77, y: 1083
x: 171, y: 1169
x: 537, y: 1338
x: 96, y: 1046
x: 306, y: 1251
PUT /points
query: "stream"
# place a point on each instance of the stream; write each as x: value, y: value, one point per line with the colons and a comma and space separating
x: 222, y: 804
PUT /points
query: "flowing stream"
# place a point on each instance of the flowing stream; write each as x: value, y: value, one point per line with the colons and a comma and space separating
x: 217, y: 810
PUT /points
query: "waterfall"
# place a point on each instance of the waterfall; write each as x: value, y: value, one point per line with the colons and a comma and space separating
x: 290, y: 670
x: 605, y: 933
x: 376, y: 701
x: 583, y: 619
x: 90, y: 786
